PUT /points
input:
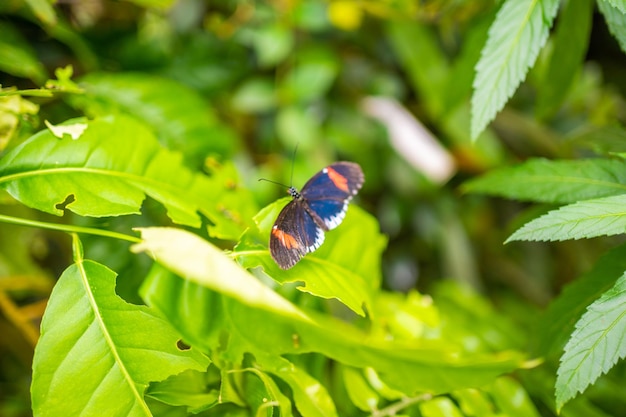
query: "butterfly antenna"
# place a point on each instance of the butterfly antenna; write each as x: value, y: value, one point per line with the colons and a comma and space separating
x: 274, y: 182
x: 293, y: 161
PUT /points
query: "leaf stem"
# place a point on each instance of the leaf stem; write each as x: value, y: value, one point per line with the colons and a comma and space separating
x: 68, y: 228
x: 405, y: 402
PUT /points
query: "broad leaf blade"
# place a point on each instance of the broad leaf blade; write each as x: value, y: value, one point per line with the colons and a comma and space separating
x: 590, y: 218
x: 263, y: 323
x: 96, y: 352
x: 520, y: 30
x: 546, y: 181
x: 596, y: 345
x: 109, y: 170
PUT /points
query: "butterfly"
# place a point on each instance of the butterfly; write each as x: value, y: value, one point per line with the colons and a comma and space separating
x: 319, y: 207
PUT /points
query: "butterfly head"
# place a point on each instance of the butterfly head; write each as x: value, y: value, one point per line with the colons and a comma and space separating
x: 292, y: 191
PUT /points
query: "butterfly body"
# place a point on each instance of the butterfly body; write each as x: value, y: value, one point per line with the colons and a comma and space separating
x: 319, y: 207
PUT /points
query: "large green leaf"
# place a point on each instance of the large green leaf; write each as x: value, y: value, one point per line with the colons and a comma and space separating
x: 570, y: 45
x: 596, y: 345
x: 97, y: 352
x: 177, y: 115
x: 557, y: 323
x: 520, y: 30
x: 108, y: 170
x: 249, y: 317
x: 615, y: 19
x: 346, y: 267
x: 546, y: 181
x: 591, y: 218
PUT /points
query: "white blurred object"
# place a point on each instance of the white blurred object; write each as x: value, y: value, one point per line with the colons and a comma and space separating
x: 411, y: 139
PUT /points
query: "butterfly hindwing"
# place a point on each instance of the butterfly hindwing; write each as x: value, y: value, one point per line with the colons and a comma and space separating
x: 294, y: 234
x: 330, y: 190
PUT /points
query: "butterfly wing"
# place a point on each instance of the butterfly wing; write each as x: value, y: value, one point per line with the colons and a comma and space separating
x: 294, y: 234
x: 330, y: 190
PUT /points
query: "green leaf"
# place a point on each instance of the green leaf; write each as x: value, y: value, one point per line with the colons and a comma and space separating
x: 188, y: 389
x: 615, y: 18
x: 311, y: 397
x: 43, y: 10
x: 439, y: 407
x: 547, y: 181
x: 255, y: 95
x: 557, y: 323
x: 595, y: 346
x: 511, y: 398
x: 474, y: 402
x: 249, y: 317
x: 266, y: 395
x: 44, y: 171
x: 520, y: 30
x: 185, y: 124
x: 570, y: 45
x: 346, y: 267
x: 96, y: 352
x: 591, y: 218
x: 420, y: 55
x: 360, y: 392
x: 311, y: 77
x: 619, y: 4
x: 17, y: 56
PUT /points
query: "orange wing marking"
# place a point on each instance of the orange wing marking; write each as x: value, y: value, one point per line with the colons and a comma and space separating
x: 286, y: 239
x: 339, y: 180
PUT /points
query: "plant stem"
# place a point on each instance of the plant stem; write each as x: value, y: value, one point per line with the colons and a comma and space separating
x: 68, y: 228
x: 405, y: 402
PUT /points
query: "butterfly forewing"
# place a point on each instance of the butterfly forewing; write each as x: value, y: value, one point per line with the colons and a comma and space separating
x: 330, y: 190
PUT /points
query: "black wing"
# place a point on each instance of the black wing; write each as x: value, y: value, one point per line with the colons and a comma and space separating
x: 294, y: 234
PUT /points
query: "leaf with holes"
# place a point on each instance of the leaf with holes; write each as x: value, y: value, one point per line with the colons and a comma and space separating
x: 108, y: 171
x: 97, y: 352
x: 596, y: 345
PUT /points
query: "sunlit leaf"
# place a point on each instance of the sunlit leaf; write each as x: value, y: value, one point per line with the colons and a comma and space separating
x: 96, y: 352
x: 596, y: 345
x: 311, y: 397
x: 360, y: 392
x: 252, y: 318
x: 439, y: 407
x: 591, y: 218
x: 511, y: 398
x: 547, y: 181
x: 106, y: 178
x: 520, y: 30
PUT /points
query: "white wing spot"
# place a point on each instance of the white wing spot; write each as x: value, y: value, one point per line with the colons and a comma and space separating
x: 319, y: 239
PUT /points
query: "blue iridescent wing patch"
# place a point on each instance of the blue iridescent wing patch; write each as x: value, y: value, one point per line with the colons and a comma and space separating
x: 322, y: 205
